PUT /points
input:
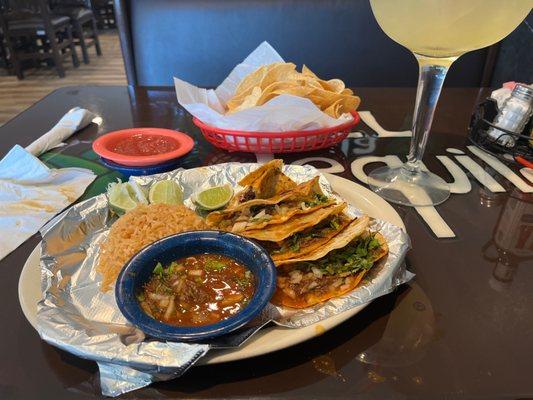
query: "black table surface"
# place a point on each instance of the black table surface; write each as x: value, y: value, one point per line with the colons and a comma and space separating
x: 461, y: 329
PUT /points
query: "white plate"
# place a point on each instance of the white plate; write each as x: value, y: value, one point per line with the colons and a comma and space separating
x: 269, y: 339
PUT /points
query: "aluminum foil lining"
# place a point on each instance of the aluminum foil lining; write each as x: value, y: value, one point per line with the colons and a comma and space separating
x: 75, y: 316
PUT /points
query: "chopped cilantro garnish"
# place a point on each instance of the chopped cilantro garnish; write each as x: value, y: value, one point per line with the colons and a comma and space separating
x: 215, y: 265
x: 373, y: 244
x: 172, y: 268
x: 318, y: 199
x: 353, y: 258
x: 242, y: 282
x: 140, y: 297
x: 158, y: 270
x: 294, y: 242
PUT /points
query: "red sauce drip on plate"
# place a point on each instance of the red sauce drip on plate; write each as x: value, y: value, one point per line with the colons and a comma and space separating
x: 145, y: 145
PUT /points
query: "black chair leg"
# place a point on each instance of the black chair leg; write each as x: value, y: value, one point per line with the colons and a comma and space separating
x: 73, y: 53
x: 78, y: 28
x: 17, y: 67
x: 57, y: 56
x: 96, y: 38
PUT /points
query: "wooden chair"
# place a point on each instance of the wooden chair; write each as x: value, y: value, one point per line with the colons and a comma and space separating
x: 105, y: 13
x: 81, y: 15
x: 33, y: 33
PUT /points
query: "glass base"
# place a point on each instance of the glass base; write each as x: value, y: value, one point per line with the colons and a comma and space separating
x: 409, y: 188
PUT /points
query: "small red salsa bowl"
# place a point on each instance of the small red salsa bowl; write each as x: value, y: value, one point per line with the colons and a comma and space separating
x: 139, y: 147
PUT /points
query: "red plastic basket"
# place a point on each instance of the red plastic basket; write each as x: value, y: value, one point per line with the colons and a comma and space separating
x: 276, y: 142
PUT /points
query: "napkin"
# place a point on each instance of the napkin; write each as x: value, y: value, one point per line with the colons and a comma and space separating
x: 76, y: 119
x: 282, y: 113
x: 31, y: 193
x: 503, y: 93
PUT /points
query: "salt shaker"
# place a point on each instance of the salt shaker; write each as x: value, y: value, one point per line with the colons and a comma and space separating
x: 513, y: 116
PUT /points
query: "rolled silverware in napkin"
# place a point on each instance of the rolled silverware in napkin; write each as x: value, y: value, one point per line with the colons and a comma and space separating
x: 76, y: 119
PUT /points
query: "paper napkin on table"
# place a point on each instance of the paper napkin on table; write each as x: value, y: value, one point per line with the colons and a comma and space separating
x: 74, y: 120
x: 31, y: 194
x: 283, y: 113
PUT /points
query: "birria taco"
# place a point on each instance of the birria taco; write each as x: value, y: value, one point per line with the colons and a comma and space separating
x: 266, y: 181
x: 256, y: 214
x: 311, y: 280
x: 316, y: 241
x: 297, y: 224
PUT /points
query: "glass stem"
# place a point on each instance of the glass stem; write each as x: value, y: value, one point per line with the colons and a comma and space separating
x: 430, y: 80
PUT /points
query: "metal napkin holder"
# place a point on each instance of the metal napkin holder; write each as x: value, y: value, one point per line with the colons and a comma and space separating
x: 481, y: 122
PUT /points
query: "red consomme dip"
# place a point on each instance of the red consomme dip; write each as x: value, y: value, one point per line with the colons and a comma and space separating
x: 145, y: 145
x: 198, y: 290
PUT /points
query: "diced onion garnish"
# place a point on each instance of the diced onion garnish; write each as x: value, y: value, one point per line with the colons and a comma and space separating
x: 170, y: 309
x: 312, y: 285
x: 317, y: 272
x: 260, y: 214
x: 296, y: 276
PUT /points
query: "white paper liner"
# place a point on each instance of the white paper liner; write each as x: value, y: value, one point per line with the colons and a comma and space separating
x: 281, y: 114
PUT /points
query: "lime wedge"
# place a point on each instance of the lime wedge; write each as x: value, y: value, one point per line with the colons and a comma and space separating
x: 136, y: 192
x: 121, y: 197
x: 166, y: 192
x: 214, y: 198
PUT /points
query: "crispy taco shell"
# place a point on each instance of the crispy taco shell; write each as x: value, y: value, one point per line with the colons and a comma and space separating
x: 266, y: 181
x: 314, y: 297
x: 356, y: 228
x: 254, y: 177
x: 298, y: 223
x: 240, y: 218
x: 310, y: 244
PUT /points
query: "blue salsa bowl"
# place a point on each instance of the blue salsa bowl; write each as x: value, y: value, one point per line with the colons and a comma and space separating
x: 141, y: 171
x: 139, y: 269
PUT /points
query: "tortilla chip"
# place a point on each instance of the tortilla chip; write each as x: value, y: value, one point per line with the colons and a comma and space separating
x: 249, y: 101
x: 278, y: 73
x: 275, y: 79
